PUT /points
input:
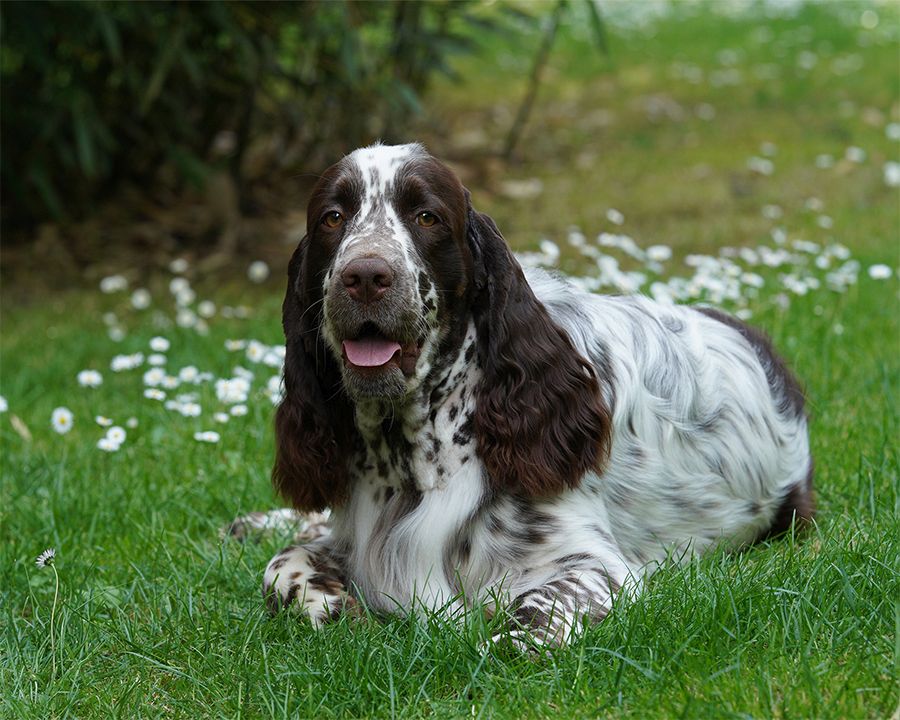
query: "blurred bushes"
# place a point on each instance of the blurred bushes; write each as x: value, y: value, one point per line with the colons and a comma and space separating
x: 96, y: 94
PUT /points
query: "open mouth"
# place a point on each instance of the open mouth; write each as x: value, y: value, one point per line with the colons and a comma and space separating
x: 372, y: 352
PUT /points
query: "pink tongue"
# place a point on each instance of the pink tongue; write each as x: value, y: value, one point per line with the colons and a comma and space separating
x: 371, y: 352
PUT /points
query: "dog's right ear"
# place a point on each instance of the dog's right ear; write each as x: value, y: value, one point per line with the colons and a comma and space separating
x: 312, y: 426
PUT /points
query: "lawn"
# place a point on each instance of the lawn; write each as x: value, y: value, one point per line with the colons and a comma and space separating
x: 704, y: 132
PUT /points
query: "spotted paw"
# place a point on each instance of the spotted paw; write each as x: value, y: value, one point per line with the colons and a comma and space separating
x: 299, y: 580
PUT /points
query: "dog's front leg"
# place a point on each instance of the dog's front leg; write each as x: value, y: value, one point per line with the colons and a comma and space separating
x: 547, y: 615
x: 307, y: 579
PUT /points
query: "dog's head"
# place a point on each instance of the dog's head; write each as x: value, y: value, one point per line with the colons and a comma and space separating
x: 388, y: 260
x: 394, y: 267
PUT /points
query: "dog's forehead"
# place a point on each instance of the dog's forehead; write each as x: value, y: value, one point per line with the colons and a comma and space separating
x: 378, y: 165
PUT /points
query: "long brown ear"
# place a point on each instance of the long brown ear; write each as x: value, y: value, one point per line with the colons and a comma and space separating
x: 313, y: 425
x: 540, y: 420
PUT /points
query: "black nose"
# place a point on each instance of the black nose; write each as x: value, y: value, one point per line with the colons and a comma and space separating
x: 367, y: 279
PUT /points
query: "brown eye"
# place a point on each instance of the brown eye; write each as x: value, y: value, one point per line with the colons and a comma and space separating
x: 426, y: 219
x: 332, y: 219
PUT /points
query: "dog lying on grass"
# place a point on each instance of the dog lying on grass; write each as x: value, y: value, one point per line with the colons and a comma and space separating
x: 484, y: 434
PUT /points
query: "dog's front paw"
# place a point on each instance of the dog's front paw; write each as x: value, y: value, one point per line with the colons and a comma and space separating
x: 301, y: 580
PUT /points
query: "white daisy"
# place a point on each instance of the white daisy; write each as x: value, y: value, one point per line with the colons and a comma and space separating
x: 156, y: 359
x: 126, y: 362
x: 62, y: 420
x: 207, y: 436
x: 841, y: 252
x: 258, y: 271
x: 188, y: 374
x: 103, y: 421
x: 4, y: 406
x: 274, y: 389
x: 116, y: 434
x: 154, y: 377
x: 178, y: 266
x: 550, y: 250
x: 761, y: 166
x: 45, y: 558
x: 879, y: 272
x: 232, y: 391
x: 170, y: 382
x: 238, y: 410
x: 274, y: 358
x: 190, y: 409
x: 242, y: 372
x: 235, y: 345
x: 177, y: 285
x: 186, y: 318
x: 221, y: 417
x: 159, y: 344
x: 892, y: 174
x: 855, y: 154
x: 615, y: 217
x: 659, y: 253
x: 140, y: 299
x: 107, y: 445
x: 753, y: 280
x: 90, y: 378
x: 185, y: 297
x: 256, y: 351
x: 154, y: 394
x: 113, y: 283
x: 116, y: 334
x: 131, y: 422
x: 207, y: 308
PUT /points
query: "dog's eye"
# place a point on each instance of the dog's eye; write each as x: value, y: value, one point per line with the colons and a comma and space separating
x: 426, y: 219
x: 332, y: 219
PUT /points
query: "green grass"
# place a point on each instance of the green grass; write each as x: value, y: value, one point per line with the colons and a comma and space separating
x: 157, y: 618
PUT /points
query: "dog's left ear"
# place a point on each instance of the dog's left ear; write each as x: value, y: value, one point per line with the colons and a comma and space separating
x: 541, y: 421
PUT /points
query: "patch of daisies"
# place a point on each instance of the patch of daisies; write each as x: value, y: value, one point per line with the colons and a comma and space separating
x: 180, y: 391
x: 736, y: 278
x: 785, y: 266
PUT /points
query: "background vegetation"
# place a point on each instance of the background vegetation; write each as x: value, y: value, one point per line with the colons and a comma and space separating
x: 714, y: 130
x: 101, y: 94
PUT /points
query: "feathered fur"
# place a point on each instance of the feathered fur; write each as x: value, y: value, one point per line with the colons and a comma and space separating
x: 529, y: 441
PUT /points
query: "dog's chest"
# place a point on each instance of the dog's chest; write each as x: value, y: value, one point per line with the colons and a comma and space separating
x: 413, y: 494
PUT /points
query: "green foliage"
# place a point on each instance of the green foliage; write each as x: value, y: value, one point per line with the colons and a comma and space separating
x: 95, y: 94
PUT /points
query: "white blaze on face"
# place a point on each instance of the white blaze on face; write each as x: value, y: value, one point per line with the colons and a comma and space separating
x: 376, y: 230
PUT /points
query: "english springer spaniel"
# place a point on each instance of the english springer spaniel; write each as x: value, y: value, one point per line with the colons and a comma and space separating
x: 483, y: 434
